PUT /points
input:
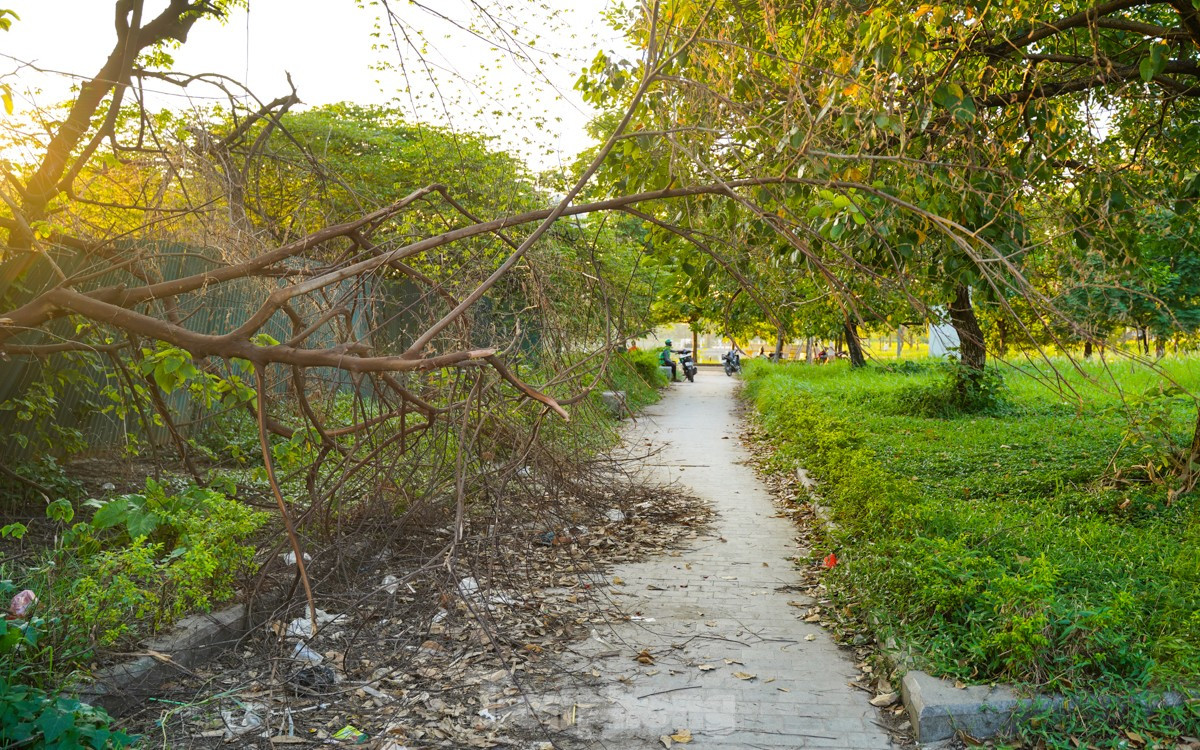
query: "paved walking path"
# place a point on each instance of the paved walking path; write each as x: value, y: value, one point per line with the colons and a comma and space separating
x: 713, y: 611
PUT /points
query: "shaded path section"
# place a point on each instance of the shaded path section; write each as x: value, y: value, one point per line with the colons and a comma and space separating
x: 732, y: 662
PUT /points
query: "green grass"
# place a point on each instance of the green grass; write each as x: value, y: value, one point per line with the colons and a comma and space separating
x: 991, y: 544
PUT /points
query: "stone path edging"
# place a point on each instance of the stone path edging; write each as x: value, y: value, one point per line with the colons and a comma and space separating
x: 192, y: 641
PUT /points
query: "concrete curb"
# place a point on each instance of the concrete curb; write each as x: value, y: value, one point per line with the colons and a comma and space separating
x: 192, y: 641
x: 938, y: 710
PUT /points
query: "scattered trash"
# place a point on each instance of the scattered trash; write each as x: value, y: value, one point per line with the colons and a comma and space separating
x: 441, y: 615
x: 378, y: 695
x: 304, y: 653
x: 502, y: 598
x: 487, y: 715
x: 351, y: 733
x: 20, y: 604
x: 830, y: 560
x: 108, y: 487
x: 615, y: 515
x: 301, y: 627
x: 391, y: 584
x: 314, y: 679
x: 250, y: 721
x: 290, y: 558
x: 468, y: 587
x: 524, y: 472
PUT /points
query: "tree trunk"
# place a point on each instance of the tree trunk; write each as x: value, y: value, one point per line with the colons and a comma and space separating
x: 899, y: 341
x: 779, y: 344
x: 1087, y: 349
x: 1160, y: 347
x: 852, y: 343
x: 808, y: 350
x: 971, y: 350
x: 695, y: 347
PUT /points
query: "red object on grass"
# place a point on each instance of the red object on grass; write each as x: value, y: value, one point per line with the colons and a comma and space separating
x: 830, y: 560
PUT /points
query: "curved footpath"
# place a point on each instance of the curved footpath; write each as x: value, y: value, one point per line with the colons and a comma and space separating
x: 732, y: 663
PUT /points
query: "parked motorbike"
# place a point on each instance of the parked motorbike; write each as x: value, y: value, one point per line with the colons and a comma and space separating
x: 732, y: 361
x: 687, y: 364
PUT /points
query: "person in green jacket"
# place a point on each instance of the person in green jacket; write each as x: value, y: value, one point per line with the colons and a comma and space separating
x: 664, y: 359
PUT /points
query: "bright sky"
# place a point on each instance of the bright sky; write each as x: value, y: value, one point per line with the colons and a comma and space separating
x: 327, y: 47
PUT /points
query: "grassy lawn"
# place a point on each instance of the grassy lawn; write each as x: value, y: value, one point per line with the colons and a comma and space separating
x: 997, y: 546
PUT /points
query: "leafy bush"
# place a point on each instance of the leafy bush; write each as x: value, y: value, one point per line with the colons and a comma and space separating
x: 637, y: 374
x: 31, y: 717
x: 156, y: 554
x: 960, y: 391
x: 141, y: 562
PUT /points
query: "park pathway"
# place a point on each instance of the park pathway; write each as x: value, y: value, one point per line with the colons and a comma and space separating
x: 714, y: 615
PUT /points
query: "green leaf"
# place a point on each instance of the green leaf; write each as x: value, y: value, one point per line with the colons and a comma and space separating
x: 1154, y: 64
x: 112, y: 513
x: 60, y: 510
x: 53, y: 723
x: 142, y: 523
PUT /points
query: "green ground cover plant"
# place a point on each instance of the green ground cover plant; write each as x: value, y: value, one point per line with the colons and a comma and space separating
x: 1003, y: 544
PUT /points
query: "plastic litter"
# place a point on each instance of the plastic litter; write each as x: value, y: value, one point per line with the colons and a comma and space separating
x: 301, y: 627
x: 487, y: 715
x: 304, y: 653
x: 314, y: 679
x: 391, y: 584
x: 250, y: 721
x: 108, y: 487
x: 20, y: 604
x: 351, y: 733
x: 615, y: 515
x: 290, y: 558
x: 468, y: 586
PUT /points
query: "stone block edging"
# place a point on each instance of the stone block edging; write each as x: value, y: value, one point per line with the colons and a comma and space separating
x: 191, y: 641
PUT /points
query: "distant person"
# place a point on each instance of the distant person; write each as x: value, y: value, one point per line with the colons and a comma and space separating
x: 664, y: 359
x: 822, y: 356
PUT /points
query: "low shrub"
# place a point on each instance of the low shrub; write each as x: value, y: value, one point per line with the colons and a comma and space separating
x: 29, y: 715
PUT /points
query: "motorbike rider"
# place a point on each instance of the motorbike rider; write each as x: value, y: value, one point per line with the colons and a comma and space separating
x: 664, y: 359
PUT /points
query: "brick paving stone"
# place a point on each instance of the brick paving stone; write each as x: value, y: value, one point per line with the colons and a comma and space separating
x: 715, y: 602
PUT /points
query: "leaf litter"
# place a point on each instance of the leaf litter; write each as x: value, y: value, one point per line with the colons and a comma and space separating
x: 411, y: 656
